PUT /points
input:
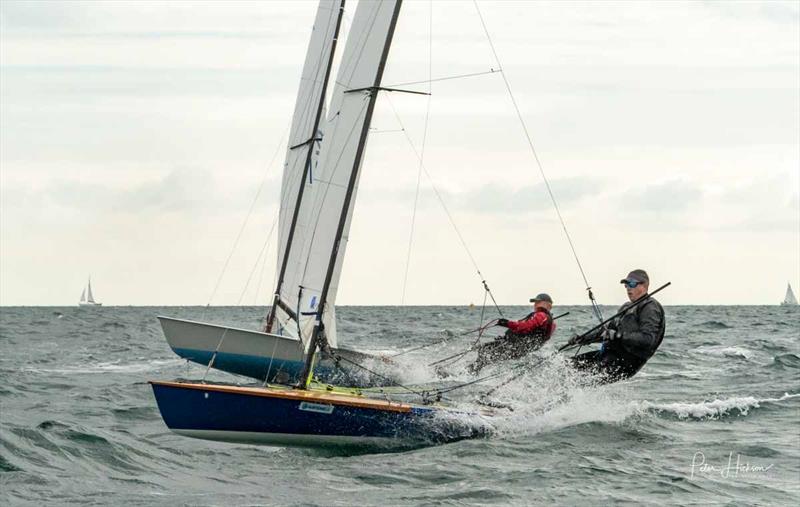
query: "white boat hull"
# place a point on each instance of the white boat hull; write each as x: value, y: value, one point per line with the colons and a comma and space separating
x: 263, y: 356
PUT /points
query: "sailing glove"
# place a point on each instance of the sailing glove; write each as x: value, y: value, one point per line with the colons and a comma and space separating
x: 502, y: 322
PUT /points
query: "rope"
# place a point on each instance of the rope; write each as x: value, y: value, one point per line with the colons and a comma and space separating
x: 535, y: 154
x: 422, y: 152
x: 465, y: 333
x: 461, y: 354
x: 423, y: 394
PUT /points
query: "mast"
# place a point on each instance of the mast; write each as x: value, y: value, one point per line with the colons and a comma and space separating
x: 317, y: 337
x: 309, y: 146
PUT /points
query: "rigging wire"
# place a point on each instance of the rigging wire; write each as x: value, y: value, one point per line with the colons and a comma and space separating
x: 246, y: 220
x: 258, y: 260
x: 421, y: 151
x: 446, y: 78
x: 595, y: 307
x: 444, y: 207
x: 425, y: 395
x: 260, y: 280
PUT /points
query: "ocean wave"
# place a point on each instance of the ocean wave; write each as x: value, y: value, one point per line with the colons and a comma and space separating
x: 726, y: 351
x: 111, y: 366
x: 714, y: 409
x: 715, y: 324
x: 784, y: 361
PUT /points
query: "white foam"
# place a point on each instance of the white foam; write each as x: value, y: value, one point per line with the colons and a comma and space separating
x: 555, y: 396
x: 726, y: 351
x: 713, y: 409
x: 114, y: 366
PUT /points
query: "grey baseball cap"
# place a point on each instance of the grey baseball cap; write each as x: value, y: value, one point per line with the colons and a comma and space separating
x: 637, y: 275
x: 542, y: 297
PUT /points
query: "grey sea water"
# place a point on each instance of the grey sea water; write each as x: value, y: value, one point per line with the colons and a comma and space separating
x: 713, y: 418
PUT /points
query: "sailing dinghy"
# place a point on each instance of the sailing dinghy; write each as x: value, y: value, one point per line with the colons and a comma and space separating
x: 312, y: 198
x: 316, y: 210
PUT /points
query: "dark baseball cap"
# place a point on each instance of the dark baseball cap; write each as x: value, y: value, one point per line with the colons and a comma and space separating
x: 542, y: 297
x: 637, y: 275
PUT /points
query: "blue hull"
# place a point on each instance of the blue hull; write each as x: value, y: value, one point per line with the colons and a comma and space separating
x: 303, y: 418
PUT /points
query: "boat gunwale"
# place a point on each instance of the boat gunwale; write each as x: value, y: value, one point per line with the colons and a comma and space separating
x: 297, y: 395
x: 231, y: 328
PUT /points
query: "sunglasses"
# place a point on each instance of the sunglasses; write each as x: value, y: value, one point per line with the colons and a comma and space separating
x: 631, y: 284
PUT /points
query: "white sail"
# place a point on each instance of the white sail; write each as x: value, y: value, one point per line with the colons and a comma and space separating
x: 298, y: 184
x: 336, y: 178
x: 90, y: 297
x: 83, y: 295
x: 790, y: 298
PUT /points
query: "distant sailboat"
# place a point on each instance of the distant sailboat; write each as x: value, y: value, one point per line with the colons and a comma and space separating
x: 789, y: 299
x: 87, y: 291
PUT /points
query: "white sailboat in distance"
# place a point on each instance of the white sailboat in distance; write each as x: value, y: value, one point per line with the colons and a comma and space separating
x: 87, y: 298
x: 789, y: 299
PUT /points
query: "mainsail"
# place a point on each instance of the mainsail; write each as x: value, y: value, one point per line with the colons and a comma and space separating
x: 305, y: 137
x: 312, y: 276
x: 90, y: 297
x: 790, y: 298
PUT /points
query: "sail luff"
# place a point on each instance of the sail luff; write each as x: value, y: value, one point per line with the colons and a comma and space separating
x: 304, y: 138
x: 345, y: 214
x: 789, y: 298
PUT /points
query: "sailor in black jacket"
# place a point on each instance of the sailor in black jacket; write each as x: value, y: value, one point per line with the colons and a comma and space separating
x: 632, y: 338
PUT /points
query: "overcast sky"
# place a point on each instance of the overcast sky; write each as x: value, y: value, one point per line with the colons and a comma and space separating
x: 134, y: 137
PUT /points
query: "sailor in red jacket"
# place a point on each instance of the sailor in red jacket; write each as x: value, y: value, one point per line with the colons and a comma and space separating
x: 523, y: 336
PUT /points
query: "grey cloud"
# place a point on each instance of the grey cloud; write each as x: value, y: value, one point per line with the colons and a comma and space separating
x: 673, y: 196
x: 500, y: 199
x: 511, y: 198
x: 775, y: 191
x: 181, y: 190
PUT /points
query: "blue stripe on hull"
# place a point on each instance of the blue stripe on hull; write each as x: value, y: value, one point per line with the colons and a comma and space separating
x: 282, y: 371
x: 207, y: 413
x: 244, y: 364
